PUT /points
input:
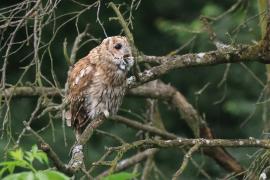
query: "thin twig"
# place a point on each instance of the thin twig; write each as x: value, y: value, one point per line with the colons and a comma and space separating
x: 126, y: 163
x: 185, y: 161
x: 49, y: 151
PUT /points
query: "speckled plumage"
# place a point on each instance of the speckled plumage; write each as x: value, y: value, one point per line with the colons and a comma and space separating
x: 97, y: 82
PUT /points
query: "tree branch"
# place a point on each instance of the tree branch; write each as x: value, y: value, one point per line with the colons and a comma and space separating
x: 144, y: 127
x: 76, y: 161
x: 185, y: 161
x: 228, y: 54
x: 30, y: 91
x: 126, y: 163
x: 242, y: 53
x: 194, y: 121
x: 180, y: 142
x: 49, y: 151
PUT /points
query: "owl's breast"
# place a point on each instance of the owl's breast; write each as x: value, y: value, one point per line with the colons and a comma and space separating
x: 103, y: 99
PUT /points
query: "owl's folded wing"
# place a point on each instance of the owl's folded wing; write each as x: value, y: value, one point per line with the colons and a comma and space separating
x: 80, y: 78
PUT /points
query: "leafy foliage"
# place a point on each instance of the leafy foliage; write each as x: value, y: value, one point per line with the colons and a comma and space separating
x: 25, y: 160
x: 40, y: 175
x: 120, y: 176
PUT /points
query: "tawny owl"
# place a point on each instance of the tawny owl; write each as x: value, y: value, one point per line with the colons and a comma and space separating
x: 97, y: 82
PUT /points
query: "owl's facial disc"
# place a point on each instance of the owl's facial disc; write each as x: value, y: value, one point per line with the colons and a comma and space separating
x: 120, y: 51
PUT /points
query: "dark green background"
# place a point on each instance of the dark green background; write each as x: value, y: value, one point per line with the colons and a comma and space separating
x: 157, y: 31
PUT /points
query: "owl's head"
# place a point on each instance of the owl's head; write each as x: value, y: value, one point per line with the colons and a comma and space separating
x: 119, y: 51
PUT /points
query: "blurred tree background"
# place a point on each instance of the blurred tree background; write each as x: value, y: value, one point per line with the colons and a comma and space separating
x: 228, y: 96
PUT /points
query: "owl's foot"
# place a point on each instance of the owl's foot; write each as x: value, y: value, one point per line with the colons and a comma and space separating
x: 106, y: 113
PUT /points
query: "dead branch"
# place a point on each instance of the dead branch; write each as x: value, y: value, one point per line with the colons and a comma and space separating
x: 242, y: 53
x: 126, y: 163
x: 194, y: 121
x: 144, y: 127
x: 49, y: 151
x: 180, y: 142
x: 76, y: 161
x: 185, y: 161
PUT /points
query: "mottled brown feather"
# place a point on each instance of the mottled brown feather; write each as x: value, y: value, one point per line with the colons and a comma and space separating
x: 75, y: 93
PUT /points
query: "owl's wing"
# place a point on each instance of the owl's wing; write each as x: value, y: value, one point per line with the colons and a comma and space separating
x: 80, y: 78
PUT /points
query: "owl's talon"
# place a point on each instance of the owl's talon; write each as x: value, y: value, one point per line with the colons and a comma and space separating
x: 106, y: 113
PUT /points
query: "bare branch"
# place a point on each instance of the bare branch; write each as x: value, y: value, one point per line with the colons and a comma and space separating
x: 76, y: 161
x: 30, y: 91
x: 230, y: 54
x: 77, y: 44
x: 185, y: 161
x: 144, y: 127
x: 243, y: 53
x: 180, y: 142
x: 194, y: 121
x: 126, y: 163
x: 49, y: 151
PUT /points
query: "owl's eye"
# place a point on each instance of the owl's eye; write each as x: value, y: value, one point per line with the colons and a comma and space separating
x: 118, y: 46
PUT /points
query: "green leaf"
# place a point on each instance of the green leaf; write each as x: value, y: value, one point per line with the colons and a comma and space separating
x: 16, y: 154
x: 2, y: 171
x: 21, y: 176
x: 211, y: 10
x: 120, y: 176
x: 51, y: 174
x: 29, y: 157
x: 35, y: 153
x: 34, y: 148
x: 10, y: 165
x: 40, y: 175
x: 41, y: 157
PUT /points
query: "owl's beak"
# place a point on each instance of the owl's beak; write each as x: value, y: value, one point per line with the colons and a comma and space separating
x: 126, y: 62
x: 122, y: 66
x: 126, y: 56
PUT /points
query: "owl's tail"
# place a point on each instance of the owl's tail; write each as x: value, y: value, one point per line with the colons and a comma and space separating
x: 76, y: 119
x: 68, y: 116
x: 77, y: 134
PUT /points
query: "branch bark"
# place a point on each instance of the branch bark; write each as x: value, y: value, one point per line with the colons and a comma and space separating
x: 180, y: 142
x: 49, y: 151
x: 144, y: 127
x: 226, y: 54
x: 194, y: 121
x: 126, y: 163
x: 231, y: 54
x: 76, y: 161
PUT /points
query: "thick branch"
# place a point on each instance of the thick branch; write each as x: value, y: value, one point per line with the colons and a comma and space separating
x: 229, y: 54
x: 193, y: 119
x: 180, y: 142
x: 76, y: 161
x: 162, y: 91
x: 243, y: 53
x: 31, y: 91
